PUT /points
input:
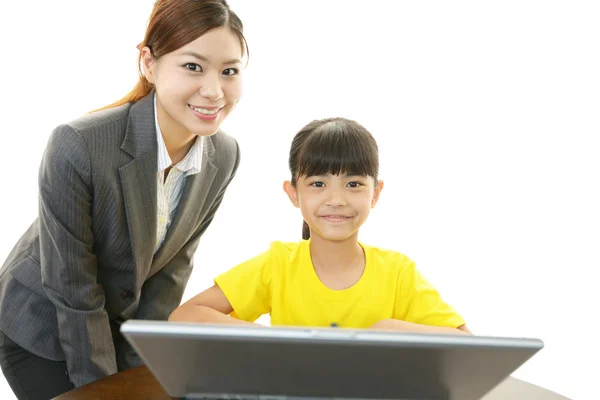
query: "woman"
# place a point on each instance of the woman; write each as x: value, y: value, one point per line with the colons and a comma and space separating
x: 125, y: 195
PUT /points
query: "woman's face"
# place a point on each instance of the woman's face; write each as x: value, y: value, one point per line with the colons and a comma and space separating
x: 197, y: 85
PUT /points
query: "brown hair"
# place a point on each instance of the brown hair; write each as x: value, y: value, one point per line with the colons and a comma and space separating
x: 175, y: 23
x: 333, y: 146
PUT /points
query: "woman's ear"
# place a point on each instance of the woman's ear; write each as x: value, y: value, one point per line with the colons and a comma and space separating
x: 292, y: 193
x: 376, y: 193
x: 147, y: 62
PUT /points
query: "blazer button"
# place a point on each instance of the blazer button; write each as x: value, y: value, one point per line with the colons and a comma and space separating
x: 126, y: 295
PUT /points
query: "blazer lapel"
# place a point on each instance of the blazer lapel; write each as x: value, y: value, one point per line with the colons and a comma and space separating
x: 189, y: 210
x: 138, y: 182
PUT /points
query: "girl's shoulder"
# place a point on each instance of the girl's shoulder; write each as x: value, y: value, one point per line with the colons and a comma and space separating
x: 386, y: 257
x: 288, y: 253
x: 287, y: 248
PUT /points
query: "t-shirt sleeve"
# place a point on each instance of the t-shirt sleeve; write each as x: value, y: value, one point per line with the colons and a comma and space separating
x: 247, y: 287
x: 419, y: 302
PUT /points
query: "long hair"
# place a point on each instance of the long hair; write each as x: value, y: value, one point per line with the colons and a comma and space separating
x: 175, y: 23
x: 333, y: 146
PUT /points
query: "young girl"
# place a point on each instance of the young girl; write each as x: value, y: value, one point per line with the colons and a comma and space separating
x: 329, y: 278
x: 125, y: 195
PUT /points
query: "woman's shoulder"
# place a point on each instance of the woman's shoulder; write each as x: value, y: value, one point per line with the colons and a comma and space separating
x: 223, y: 144
x: 224, y: 151
x: 79, y: 135
x: 108, y: 119
x: 222, y: 140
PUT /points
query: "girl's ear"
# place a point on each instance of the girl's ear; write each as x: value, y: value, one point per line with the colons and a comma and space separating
x: 376, y: 193
x: 292, y: 193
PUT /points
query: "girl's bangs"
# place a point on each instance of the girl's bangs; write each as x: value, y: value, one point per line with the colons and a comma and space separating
x: 339, y: 151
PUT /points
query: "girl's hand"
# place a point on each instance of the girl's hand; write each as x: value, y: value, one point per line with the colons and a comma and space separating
x: 385, y: 324
x: 403, y: 326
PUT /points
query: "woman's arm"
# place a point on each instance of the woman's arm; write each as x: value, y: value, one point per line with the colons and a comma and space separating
x: 68, y: 262
x: 210, y: 306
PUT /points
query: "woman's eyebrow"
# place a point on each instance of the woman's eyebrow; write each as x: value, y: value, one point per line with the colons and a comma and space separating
x: 206, y: 60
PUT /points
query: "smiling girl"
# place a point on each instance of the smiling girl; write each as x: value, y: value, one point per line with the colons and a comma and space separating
x: 329, y: 278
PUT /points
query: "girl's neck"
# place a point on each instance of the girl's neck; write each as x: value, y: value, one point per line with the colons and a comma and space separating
x: 336, y: 255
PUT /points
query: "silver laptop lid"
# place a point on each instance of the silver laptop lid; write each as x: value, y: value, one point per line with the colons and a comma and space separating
x: 212, y: 361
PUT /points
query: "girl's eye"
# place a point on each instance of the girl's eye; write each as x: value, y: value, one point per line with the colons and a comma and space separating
x: 231, y: 71
x: 354, y: 184
x: 193, y: 67
x: 317, y: 184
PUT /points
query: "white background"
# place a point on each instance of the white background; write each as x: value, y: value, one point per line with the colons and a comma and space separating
x: 487, y: 116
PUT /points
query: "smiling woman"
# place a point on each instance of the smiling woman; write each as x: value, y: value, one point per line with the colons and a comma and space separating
x: 195, y: 92
x: 126, y: 192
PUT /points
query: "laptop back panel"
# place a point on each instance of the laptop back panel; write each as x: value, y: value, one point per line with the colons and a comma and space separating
x: 203, y: 361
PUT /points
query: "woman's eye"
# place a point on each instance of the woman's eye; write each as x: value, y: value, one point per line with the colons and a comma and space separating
x: 231, y: 71
x: 193, y: 67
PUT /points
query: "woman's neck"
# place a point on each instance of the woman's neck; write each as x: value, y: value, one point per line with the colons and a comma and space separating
x: 177, y: 139
x: 178, y: 146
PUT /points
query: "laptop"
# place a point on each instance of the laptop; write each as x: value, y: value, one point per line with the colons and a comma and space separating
x: 203, y: 361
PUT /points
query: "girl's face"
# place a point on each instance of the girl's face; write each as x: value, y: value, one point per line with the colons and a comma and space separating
x: 197, y: 85
x: 334, y: 206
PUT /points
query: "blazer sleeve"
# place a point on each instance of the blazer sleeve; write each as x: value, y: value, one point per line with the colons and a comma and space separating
x: 162, y: 293
x: 68, y: 262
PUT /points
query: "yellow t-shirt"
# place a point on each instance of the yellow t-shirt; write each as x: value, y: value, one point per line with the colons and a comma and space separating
x: 282, y: 281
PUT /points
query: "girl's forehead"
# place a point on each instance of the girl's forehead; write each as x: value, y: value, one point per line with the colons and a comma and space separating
x: 334, y: 176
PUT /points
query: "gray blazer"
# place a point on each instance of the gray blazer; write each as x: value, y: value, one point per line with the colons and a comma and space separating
x: 90, y: 253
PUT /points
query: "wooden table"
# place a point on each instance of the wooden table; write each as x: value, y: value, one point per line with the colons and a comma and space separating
x: 139, y: 384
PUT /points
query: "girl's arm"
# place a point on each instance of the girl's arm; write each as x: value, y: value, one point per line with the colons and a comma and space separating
x: 210, y: 306
x: 403, y: 326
